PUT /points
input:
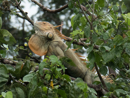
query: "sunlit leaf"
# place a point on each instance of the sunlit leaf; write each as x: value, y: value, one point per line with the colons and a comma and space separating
x: 101, y: 3
x: 53, y: 59
x: 127, y: 18
x: 28, y: 77
x: 123, y: 7
x: 9, y: 94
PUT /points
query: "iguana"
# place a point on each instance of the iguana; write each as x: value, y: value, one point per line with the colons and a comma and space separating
x: 47, y: 41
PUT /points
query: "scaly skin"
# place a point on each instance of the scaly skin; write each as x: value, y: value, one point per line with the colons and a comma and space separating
x: 47, y: 41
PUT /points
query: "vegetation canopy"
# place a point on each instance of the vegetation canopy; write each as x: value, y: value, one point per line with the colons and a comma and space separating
x: 98, y: 29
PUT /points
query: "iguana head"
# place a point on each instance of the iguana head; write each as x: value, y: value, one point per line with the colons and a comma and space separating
x: 41, y: 27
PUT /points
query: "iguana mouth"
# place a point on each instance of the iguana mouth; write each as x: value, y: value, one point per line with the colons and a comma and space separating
x: 36, y: 26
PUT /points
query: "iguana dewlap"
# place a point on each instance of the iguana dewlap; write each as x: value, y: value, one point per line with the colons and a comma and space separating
x: 48, y: 41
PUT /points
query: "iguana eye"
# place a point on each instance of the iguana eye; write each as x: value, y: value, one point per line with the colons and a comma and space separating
x: 44, y: 23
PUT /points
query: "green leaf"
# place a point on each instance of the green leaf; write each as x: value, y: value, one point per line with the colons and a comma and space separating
x: 127, y: 18
x: 103, y: 70
x: 99, y: 42
x: 3, y: 94
x: 92, y: 90
x: 98, y: 58
x: 62, y: 93
x: 53, y: 59
x: 75, y: 21
x: 21, y: 47
x: 18, y: 68
x: 127, y: 50
x: 118, y: 51
x: 90, y: 48
x: 105, y: 36
x: 9, y: 94
x: 107, y: 56
x: 101, y: 3
x: 3, y: 75
x: 118, y: 40
x: 34, y: 80
x: 126, y: 46
x: 82, y: 85
x: 3, y: 53
x: 83, y: 22
x: 47, y: 76
x: 74, y: 33
x: 70, y: 4
x: 0, y: 22
x: 19, y: 91
x: 66, y: 77
x: 123, y: 8
x: 72, y: 22
x: 6, y: 37
x: 127, y: 96
x: 91, y: 57
x: 110, y: 31
x: 77, y: 17
x: 1, y: 1
x: 44, y: 89
x: 25, y: 69
x: 94, y: 38
x: 11, y: 69
x: 87, y: 31
x: 107, y: 48
x: 41, y: 66
x: 115, y: 8
x: 120, y: 91
x: 28, y: 77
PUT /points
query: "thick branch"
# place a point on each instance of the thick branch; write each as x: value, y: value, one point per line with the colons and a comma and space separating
x: 7, y: 61
x: 49, y: 10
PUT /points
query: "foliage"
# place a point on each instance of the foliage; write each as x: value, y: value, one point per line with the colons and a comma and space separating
x: 107, y: 29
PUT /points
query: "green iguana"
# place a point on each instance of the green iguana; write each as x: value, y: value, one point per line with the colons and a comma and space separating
x: 47, y: 41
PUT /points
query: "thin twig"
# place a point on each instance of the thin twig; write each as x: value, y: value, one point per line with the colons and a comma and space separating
x: 100, y: 77
x: 88, y: 12
x: 84, y: 13
x: 17, y: 5
x: 81, y: 43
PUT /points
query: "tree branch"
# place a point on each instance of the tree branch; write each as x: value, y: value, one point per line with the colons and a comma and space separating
x: 88, y: 12
x: 49, y: 10
x: 17, y: 5
x: 7, y: 61
x: 81, y: 43
x: 84, y: 13
x: 100, y: 77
